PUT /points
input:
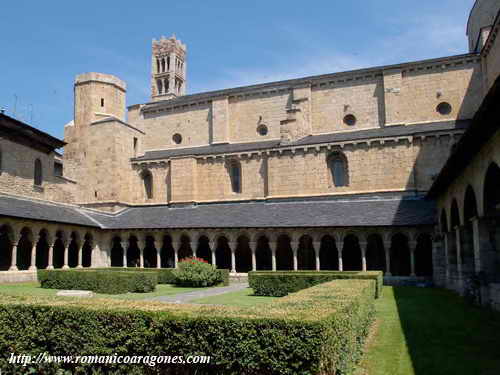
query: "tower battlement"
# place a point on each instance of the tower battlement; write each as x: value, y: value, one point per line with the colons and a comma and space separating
x: 168, y: 68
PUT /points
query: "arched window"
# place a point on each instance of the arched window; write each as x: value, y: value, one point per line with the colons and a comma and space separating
x: 235, y: 174
x: 147, y: 179
x: 38, y: 176
x: 337, y: 163
x: 160, y: 86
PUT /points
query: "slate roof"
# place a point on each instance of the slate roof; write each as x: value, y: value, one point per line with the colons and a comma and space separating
x: 323, y: 213
x: 333, y: 213
x: 26, y: 208
x: 22, y: 132
x: 387, y: 132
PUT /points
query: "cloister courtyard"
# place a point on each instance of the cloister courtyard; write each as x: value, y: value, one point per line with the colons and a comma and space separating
x: 417, y: 331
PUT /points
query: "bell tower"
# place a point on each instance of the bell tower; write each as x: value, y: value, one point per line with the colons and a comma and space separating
x: 168, y: 69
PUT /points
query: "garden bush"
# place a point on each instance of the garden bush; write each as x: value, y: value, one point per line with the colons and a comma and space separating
x: 165, y: 275
x: 280, y: 283
x: 196, y: 272
x: 319, y: 330
x: 99, y: 281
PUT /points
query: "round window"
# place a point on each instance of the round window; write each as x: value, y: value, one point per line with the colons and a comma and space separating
x: 350, y: 120
x: 444, y: 108
x: 177, y: 138
x: 262, y: 130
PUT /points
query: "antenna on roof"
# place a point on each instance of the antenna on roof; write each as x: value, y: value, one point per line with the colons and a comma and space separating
x: 2, y: 111
x: 15, y: 106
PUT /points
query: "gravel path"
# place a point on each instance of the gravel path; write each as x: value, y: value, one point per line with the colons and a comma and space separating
x: 186, y: 297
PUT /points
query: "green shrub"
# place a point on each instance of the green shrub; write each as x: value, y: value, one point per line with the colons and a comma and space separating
x: 165, y: 275
x: 196, y: 272
x: 280, y: 283
x: 320, y: 330
x: 99, y: 281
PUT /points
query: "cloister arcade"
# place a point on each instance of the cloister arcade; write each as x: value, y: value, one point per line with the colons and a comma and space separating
x: 470, y: 231
x: 398, y: 252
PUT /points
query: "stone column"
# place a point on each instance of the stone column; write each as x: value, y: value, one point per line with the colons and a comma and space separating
x: 273, y: 246
x: 158, y: 246
x: 33, y: 256
x: 124, y: 248
x: 211, y: 244
x: 80, y: 253
x: 458, y: 239
x: 13, y: 262
x: 141, y: 244
x: 340, y: 248
x: 387, y: 249
x: 413, y: 246
x: 232, y: 246
x: 446, y: 259
x: 50, y: 265
x: 363, y: 245
x: 176, y: 245
x: 193, y: 249
x: 438, y: 260
x: 484, y: 251
x: 295, y: 249
x: 66, y: 255
x: 316, y: 247
x: 253, y: 249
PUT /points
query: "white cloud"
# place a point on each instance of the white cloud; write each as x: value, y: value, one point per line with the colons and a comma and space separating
x: 421, y: 37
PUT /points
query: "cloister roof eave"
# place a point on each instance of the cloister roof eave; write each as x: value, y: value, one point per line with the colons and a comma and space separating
x: 50, y: 221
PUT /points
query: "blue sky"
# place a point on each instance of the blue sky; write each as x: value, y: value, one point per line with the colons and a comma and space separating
x: 230, y: 43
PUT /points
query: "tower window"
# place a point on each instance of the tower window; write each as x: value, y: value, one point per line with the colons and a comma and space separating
x: 135, y: 146
x: 38, y: 176
x: 235, y: 175
x: 177, y: 138
x: 102, y: 102
x: 337, y: 163
x: 58, y: 169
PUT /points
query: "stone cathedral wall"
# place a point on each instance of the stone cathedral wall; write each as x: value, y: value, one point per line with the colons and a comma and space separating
x: 17, y: 174
x: 406, y: 94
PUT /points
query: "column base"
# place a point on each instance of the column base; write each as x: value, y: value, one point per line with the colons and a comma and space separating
x: 49, y: 268
x: 13, y: 268
x: 79, y: 266
x: 388, y: 274
x: 65, y: 267
x: 32, y: 268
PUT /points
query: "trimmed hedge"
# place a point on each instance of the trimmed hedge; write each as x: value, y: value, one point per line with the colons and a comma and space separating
x: 99, y: 281
x: 165, y: 275
x: 280, y: 283
x: 320, y: 330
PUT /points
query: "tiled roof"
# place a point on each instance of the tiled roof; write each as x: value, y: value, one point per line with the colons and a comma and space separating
x: 26, y: 208
x: 333, y: 213
x: 363, y: 212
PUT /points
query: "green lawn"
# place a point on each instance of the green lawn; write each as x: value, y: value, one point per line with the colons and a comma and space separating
x: 242, y: 297
x: 431, y: 332
x: 34, y: 289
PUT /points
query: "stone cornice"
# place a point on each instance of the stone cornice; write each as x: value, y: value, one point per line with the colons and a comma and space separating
x: 297, y: 149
